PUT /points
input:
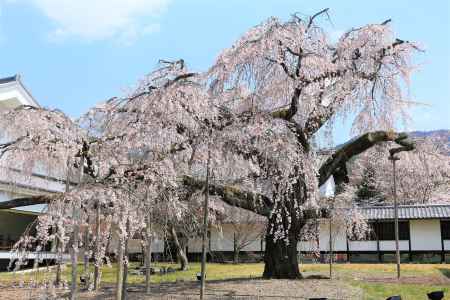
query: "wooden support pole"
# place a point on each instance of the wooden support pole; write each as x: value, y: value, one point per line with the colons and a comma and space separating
x: 97, y: 263
x: 397, y: 248
x: 205, y: 229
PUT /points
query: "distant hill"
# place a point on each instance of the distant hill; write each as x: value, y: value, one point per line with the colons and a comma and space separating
x: 442, y: 134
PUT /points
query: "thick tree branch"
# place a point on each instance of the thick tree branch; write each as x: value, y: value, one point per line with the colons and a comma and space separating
x: 257, y: 203
x: 359, y: 145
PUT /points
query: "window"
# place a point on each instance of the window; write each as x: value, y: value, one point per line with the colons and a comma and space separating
x: 445, y: 229
x: 385, y: 231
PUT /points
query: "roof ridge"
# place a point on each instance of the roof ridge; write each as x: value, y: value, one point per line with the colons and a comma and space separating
x: 404, y: 206
x: 8, y: 79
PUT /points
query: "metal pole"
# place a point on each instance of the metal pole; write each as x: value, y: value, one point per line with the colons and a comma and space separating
x: 397, y: 250
x: 205, y: 229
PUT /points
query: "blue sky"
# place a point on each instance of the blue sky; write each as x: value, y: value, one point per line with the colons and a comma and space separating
x: 75, y: 53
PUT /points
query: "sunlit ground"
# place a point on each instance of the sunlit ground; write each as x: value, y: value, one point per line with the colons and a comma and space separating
x: 378, y: 281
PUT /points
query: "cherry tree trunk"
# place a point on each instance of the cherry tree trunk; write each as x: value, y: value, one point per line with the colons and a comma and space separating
x: 125, y: 270
x: 58, y: 251
x: 125, y: 264
x: 120, y: 262
x: 86, y: 257
x: 236, y: 256
x: 236, y: 249
x: 58, y: 270
x: 180, y: 252
x: 280, y: 257
x: 74, y: 258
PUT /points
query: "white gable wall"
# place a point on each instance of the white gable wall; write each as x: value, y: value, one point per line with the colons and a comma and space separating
x: 425, y: 235
x: 13, y: 94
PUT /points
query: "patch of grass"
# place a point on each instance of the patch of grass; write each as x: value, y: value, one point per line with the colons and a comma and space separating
x: 109, y: 274
x: 214, y: 272
x: 357, y: 275
x: 377, y: 291
x: 445, y: 272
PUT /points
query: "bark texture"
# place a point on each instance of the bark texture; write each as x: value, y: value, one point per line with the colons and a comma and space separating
x: 280, y: 257
x: 182, y: 257
x: 119, y: 281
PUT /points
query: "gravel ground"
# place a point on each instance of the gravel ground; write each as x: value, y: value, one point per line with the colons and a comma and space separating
x: 218, y: 290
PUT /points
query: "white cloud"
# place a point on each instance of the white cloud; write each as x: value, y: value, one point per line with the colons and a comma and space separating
x: 121, y: 20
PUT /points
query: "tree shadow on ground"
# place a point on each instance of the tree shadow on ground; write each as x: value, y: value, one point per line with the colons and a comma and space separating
x: 187, y: 288
x: 445, y: 272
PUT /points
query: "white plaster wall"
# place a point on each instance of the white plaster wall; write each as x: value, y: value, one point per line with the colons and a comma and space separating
x: 134, y: 245
x: 195, y: 245
x: 362, y: 245
x: 425, y: 235
x: 447, y: 245
x: 339, y: 238
x: 4, y: 196
x: 223, y: 239
x: 307, y: 246
x: 390, y: 245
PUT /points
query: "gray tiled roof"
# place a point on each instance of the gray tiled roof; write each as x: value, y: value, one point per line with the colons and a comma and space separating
x: 9, y: 79
x: 423, y: 211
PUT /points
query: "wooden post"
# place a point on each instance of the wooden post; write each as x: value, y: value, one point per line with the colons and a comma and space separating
x: 331, y: 249
x: 205, y: 229
x: 347, y: 248
x: 148, y: 254
x: 397, y: 249
x: 378, y: 242
x: 97, y: 263
x: 409, y: 242
x: 442, y: 243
